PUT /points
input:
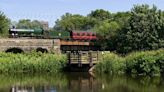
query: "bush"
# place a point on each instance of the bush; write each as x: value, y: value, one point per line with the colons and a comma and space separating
x: 145, y: 63
x: 31, y: 62
x: 140, y: 63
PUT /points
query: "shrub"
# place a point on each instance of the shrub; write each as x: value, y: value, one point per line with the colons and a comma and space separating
x: 145, y: 62
x: 140, y: 63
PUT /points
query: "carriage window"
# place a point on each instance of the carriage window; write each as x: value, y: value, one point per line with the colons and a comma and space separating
x: 88, y: 34
x: 78, y: 34
x: 83, y: 34
x: 74, y: 34
x: 93, y: 34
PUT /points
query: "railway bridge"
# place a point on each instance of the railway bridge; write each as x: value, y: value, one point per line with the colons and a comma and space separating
x: 28, y: 45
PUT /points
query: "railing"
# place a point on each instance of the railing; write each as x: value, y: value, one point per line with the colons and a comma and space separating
x: 83, y: 57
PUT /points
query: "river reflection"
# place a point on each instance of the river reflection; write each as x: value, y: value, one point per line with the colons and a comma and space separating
x: 79, y: 82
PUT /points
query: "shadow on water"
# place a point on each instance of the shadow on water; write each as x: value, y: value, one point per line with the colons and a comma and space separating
x: 79, y: 82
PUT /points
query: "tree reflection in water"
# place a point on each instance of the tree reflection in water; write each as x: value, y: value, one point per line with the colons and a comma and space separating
x: 79, y: 82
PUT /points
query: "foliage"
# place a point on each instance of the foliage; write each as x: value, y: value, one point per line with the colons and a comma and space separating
x: 31, y: 62
x: 142, y: 31
x: 110, y: 63
x: 107, y: 32
x: 4, y: 24
x: 69, y: 22
x: 107, y: 29
x: 28, y: 24
x: 146, y: 62
x: 121, y: 18
x: 100, y: 14
x: 123, y: 32
x: 140, y: 63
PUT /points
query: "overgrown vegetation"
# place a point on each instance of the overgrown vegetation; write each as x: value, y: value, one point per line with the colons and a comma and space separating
x: 110, y: 63
x: 4, y: 25
x: 140, y: 63
x: 31, y: 62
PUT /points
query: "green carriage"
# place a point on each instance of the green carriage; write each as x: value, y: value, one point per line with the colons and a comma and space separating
x: 59, y: 34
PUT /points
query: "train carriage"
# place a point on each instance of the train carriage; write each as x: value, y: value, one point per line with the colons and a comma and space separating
x: 59, y: 34
x: 83, y: 35
x: 65, y: 35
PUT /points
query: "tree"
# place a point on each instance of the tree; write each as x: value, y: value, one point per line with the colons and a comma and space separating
x: 101, y: 14
x: 69, y: 22
x: 122, y: 18
x: 24, y: 24
x: 107, y: 32
x: 142, y: 31
x: 28, y: 24
x: 4, y: 24
x: 35, y: 24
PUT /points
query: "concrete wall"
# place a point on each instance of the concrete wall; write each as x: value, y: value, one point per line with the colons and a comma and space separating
x: 27, y: 45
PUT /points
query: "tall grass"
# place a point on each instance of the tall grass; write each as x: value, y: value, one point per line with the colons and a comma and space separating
x: 140, y: 63
x: 110, y: 63
x: 31, y: 62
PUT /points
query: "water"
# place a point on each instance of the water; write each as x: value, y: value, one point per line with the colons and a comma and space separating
x: 79, y: 82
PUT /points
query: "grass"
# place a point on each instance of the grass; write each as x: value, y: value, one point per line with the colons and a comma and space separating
x: 31, y: 62
x: 110, y: 63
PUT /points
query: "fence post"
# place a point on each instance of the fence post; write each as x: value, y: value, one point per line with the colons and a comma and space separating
x: 90, y: 59
x: 79, y: 58
x: 69, y: 57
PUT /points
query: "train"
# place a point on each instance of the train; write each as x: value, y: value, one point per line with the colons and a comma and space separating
x: 40, y: 33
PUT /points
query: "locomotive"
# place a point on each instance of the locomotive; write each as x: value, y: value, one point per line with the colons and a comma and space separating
x: 15, y: 33
x: 40, y: 33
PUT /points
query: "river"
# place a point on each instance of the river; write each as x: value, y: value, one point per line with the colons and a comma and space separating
x: 79, y: 82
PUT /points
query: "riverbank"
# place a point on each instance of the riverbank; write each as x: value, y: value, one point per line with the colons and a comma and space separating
x: 139, y: 63
x: 31, y: 62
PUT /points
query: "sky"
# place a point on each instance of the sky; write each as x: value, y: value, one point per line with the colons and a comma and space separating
x: 51, y: 10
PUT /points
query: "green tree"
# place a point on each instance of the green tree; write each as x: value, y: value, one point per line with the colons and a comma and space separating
x: 69, y: 22
x: 142, y: 31
x: 122, y: 18
x: 28, y: 24
x: 101, y: 14
x: 24, y: 24
x: 4, y: 24
x: 107, y: 32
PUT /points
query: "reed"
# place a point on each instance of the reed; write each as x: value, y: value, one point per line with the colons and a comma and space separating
x: 31, y: 62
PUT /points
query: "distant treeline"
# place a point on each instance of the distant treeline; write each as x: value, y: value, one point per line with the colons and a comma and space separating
x: 141, y: 28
